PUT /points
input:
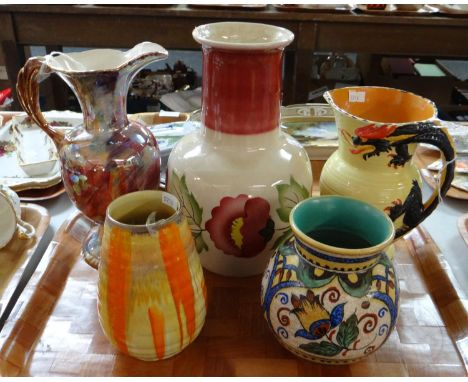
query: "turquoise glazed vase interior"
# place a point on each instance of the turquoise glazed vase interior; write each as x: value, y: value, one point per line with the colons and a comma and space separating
x: 330, y: 293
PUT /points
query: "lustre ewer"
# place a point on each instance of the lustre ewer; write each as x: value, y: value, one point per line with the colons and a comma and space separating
x: 331, y: 304
x: 378, y: 131
x: 240, y: 176
x: 108, y: 155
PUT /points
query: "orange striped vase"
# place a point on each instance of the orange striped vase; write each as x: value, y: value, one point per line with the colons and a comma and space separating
x: 151, y: 292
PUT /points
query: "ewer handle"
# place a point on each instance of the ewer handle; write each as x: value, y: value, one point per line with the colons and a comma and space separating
x: 28, y: 95
x: 435, y: 134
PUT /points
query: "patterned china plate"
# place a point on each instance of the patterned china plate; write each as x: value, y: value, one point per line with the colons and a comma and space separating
x: 313, y: 125
x: 168, y: 134
x: 11, y: 173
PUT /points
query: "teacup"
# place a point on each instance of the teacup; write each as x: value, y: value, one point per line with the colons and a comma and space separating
x: 10, y: 221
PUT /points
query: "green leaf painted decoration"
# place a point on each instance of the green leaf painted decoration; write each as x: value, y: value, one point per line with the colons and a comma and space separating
x: 348, y: 331
x: 192, y: 209
x: 305, y: 273
x: 359, y: 288
x: 200, y: 243
x: 288, y: 196
x: 323, y: 348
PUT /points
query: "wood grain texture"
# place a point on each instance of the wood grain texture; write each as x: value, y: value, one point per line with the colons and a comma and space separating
x: 35, y: 195
x: 270, y: 13
x: 55, y: 331
x: 14, y: 256
x: 99, y: 26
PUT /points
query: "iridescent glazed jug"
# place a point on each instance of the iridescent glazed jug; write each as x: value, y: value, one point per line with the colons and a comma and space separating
x: 330, y: 294
x: 378, y: 131
x: 239, y: 176
x: 151, y: 289
x: 108, y: 155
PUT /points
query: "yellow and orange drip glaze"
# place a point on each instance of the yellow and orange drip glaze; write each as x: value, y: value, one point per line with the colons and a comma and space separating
x: 152, y: 294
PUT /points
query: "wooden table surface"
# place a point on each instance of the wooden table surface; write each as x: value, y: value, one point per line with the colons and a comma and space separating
x: 54, y: 330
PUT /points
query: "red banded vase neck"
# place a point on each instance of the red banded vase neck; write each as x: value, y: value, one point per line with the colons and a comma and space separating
x: 242, y: 70
x: 241, y: 90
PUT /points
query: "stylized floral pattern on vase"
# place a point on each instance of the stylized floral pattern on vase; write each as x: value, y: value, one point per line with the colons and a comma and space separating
x: 240, y: 151
x: 328, y: 316
x: 241, y: 225
x: 314, y: 318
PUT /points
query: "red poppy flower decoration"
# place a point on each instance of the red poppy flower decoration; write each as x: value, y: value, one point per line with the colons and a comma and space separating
x: 241, y: 226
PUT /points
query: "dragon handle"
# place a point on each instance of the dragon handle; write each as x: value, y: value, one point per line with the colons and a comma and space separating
x: 433, y: 133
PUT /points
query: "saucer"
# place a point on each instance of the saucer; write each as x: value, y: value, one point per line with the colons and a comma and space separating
x: 27, y: 159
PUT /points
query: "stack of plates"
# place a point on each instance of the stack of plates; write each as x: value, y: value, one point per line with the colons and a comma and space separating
x: 28, y: 159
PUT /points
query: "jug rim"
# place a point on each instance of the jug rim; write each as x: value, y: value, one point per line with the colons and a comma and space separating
x: 340, y: 251
x: 329, y: 99
x: 75, y: 62
x: 238, y: 35
x: 165, y: 198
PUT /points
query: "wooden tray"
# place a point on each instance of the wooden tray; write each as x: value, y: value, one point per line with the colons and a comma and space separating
x: 55, y: 331
x: 15, y: 256
x: 36, y: 195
